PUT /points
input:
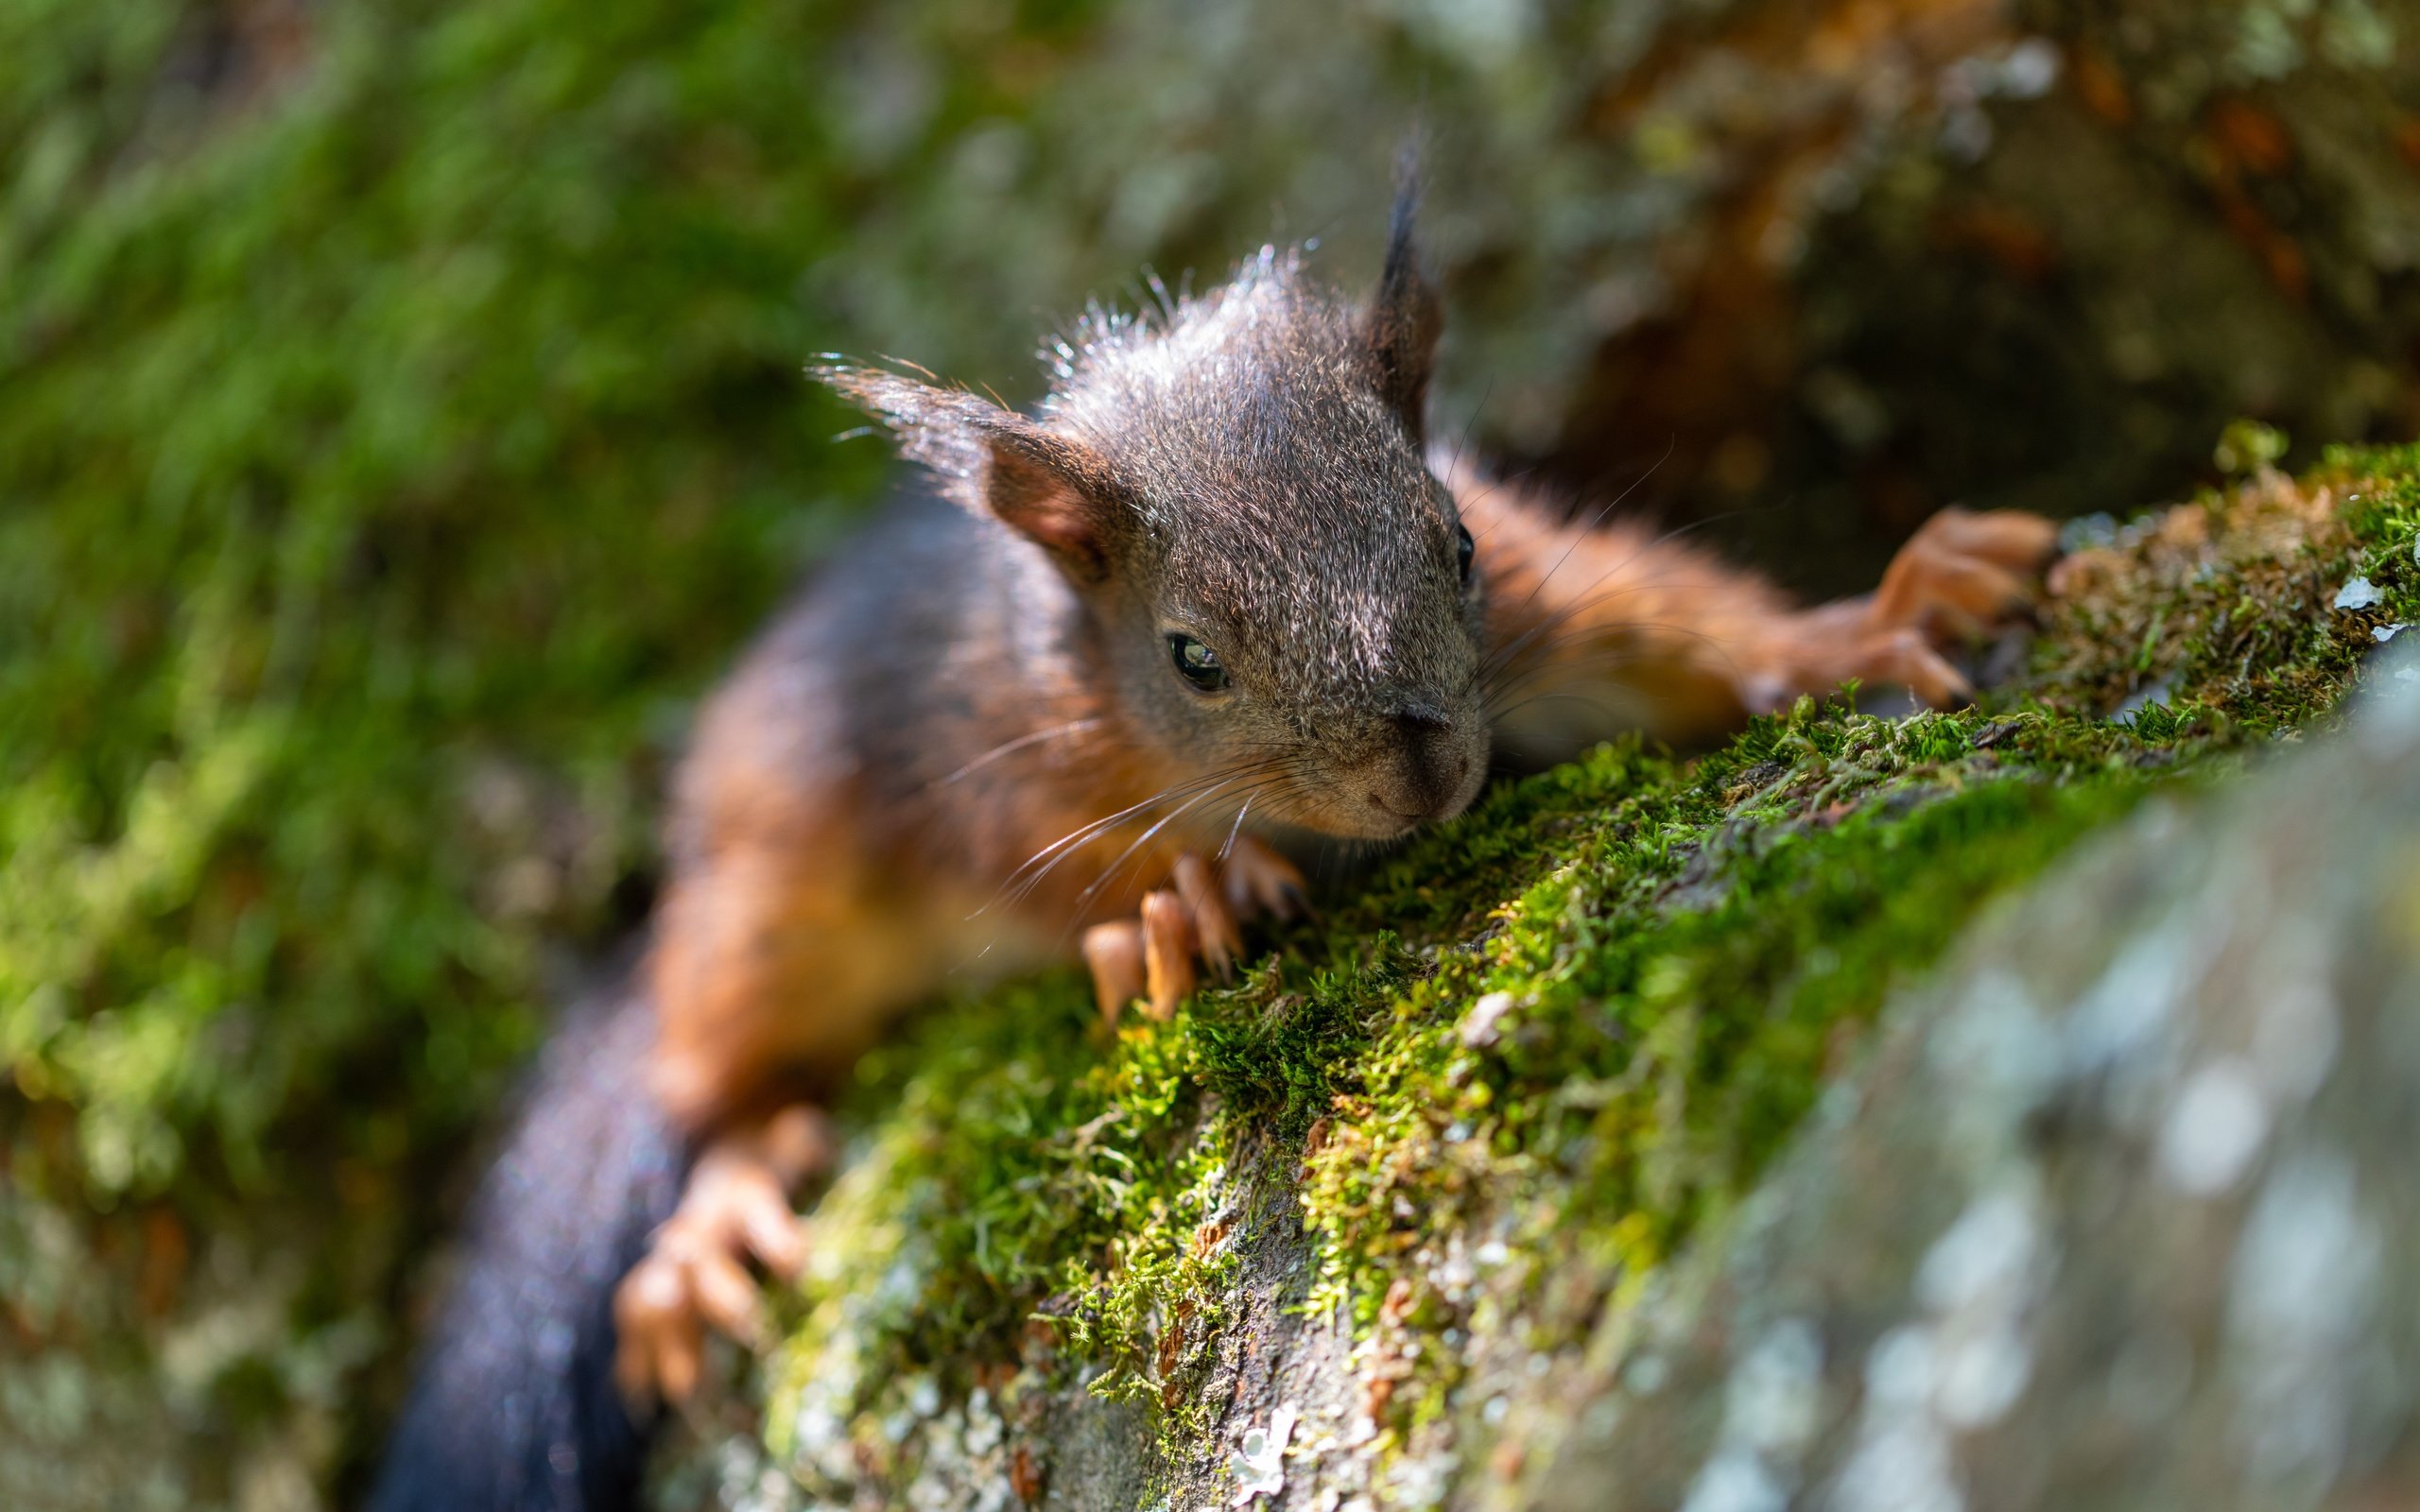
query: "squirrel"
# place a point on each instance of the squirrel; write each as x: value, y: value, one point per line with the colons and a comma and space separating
x: 1082, y: 691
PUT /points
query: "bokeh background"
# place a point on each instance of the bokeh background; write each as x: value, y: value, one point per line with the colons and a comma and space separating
x: 402, y: 420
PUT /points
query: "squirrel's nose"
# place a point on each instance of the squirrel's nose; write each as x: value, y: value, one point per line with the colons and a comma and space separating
x: 1429, y: 771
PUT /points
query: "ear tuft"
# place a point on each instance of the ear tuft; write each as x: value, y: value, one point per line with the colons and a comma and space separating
x: 1051, y: 489
x: 941, y: 427
x: 1404, y: 320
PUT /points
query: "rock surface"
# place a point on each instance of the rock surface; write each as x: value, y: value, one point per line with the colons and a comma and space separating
x: 2123, y: 1213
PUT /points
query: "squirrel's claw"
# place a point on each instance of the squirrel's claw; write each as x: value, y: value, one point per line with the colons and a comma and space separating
x: 726, y: 1297
x: 1259, y: 880
x: 735, y: 1207
x: 1114, y: 954
x: 1963, y: 573
x: 656, y: 1340
x: 1197, y: 917
x: 1960, y: 574
x: 2014, y: 539
x: 1169, y: 943
x: 1213, y: 924
x: 1905, y: 657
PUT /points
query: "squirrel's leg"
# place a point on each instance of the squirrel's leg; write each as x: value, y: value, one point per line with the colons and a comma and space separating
x: 1593, y: 631
x: 771, y: 960
x: 1958, y: 576
x: 1198, y: 915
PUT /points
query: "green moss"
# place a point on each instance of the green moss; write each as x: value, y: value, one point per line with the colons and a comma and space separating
x: 1675, y: 997
x: 2225, y: 608
x: 1030, y: 1185
x: 1668, y: 958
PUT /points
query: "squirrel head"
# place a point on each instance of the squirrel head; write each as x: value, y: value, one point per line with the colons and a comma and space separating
x: 1234, y: 487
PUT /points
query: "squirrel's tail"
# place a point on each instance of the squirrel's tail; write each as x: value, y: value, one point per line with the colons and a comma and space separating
x: 515, y: 1409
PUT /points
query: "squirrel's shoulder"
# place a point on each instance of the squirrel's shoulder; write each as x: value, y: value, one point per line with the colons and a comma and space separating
x: 884, y: 656
x: 917, y: 575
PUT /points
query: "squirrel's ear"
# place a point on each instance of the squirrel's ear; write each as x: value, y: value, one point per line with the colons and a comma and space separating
x: 1403, y: 319
x: 1051, y: 489
x: 1055, y: 491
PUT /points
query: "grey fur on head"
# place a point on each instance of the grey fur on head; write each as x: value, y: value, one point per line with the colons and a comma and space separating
x: 1245, y: 467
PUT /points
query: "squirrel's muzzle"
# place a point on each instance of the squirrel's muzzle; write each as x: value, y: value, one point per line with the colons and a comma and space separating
x: 1429, y: 766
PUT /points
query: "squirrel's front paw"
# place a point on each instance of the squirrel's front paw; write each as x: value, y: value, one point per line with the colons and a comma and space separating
x: 1960, y: 574
x: 736, y: 1207
x: 1196, y: 918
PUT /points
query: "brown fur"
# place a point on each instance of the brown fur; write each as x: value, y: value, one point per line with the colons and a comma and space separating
x: 967, y: 744
x: 794, y: 929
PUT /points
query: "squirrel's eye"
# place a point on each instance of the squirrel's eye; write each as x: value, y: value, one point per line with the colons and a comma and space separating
x: 1197, y: 663
x: 1465, y: 548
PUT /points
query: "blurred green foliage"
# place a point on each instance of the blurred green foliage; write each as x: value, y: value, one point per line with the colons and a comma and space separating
x: 373, y: 463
